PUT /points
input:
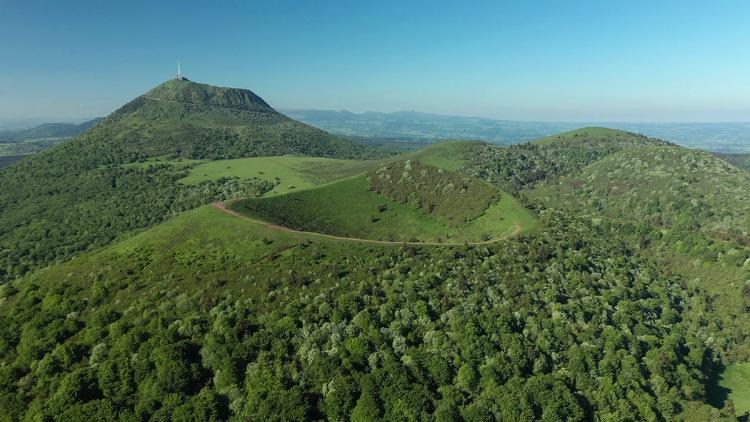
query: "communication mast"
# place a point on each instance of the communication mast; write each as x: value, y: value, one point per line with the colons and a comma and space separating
x: 179, y: 73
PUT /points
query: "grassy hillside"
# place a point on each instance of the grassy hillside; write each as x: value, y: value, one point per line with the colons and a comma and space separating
x: 350, y: 208
x: 216, y: 316
x: 586, y: 135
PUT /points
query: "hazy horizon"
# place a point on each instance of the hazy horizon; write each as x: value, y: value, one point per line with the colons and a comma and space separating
x: 34, y: 121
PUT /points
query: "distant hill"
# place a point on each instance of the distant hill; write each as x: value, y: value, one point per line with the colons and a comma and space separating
x: 193, y: 120
x: 740, y: 160
x: 47, y: 130
x: 6, y: 160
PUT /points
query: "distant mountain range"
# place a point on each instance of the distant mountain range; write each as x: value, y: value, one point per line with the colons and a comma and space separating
x: 46, y: 131
x: 415, y: 126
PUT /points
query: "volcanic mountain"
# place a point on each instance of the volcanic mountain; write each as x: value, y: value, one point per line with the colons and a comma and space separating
x: 193, y: 120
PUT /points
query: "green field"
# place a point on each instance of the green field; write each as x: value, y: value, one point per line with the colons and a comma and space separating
x: 349, y: 209
x: 736, y: 379
x: 291, y: 172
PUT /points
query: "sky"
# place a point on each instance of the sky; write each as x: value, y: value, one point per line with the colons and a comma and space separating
x: 598, y: 60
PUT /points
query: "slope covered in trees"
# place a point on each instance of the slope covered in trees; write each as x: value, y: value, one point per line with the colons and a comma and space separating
x: 450, y: 197
x: 210, y: 317
x: 686, y: 208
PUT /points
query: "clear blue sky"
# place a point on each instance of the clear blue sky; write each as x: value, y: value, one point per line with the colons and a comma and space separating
x: 529, y: 60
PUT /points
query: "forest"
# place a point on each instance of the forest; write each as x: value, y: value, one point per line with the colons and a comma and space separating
x: 553, y: 326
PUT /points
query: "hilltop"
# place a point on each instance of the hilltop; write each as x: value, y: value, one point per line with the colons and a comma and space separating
x: 188, y: 92
x: 686, y: 208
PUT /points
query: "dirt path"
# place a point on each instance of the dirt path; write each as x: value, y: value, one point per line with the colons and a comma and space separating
x: 221, y: 206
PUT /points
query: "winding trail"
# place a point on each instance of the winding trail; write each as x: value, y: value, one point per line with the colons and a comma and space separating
x: 222, y: 207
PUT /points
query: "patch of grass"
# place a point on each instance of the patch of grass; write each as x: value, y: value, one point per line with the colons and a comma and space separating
x: 289, y: 172
x: 736, y: 379
x: 346, y: 208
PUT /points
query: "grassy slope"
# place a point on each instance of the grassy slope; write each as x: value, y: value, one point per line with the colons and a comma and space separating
x: 348, y: 208
x: 736, y: 378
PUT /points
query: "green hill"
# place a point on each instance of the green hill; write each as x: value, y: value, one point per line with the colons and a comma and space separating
x: 425, y: 204
x: 519, y: 166
x: 686, y: 208
x: 451, y: 198
x: 47, y: 130
x: 81, y: 194
x: 587, y: 134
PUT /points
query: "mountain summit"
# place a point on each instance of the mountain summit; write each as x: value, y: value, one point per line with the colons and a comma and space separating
x: 185, y: 91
